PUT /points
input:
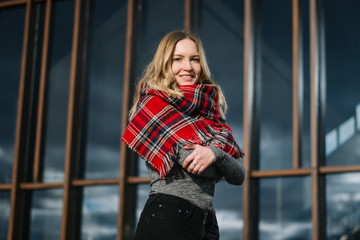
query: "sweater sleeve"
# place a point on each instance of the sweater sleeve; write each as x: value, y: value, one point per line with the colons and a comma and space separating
x: 232, y: 169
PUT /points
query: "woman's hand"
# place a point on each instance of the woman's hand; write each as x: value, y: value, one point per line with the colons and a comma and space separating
x: 199, y: 159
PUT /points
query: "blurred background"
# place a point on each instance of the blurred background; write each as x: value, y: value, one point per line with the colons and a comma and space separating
x: 288, y: 69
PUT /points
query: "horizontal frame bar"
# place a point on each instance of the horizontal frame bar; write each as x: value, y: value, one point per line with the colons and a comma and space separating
x: 280, y: 173
x: 339, y: 169
x: 5, y: 187
x: 12, y: 3
x: 35, y: 186
x: 80, y: 183
x: 141, y: 180
x: 138, y: 180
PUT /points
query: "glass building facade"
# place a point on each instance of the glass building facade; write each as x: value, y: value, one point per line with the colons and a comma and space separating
x: 288, y: 69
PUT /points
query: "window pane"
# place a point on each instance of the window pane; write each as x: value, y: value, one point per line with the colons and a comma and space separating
x: 275, y: 74
x: 5, y: 212
x: 58, y: 88
x: 285, y: 208
x: 105, y: 59
x: 142, y: 195
x: 99, y: 212
x: 46, y: 210
x: 229, y: 213
x: 343, y: 206
x: 12, y: 26
x: 221, y: 30
x: 342, y: 72
x: 153, y: 27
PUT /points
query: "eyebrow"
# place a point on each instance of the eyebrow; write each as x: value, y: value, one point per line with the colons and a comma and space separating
x: 180, y: 55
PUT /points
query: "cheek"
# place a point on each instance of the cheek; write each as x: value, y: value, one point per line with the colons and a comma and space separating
x: 198, y: 70
x: 174, y: 68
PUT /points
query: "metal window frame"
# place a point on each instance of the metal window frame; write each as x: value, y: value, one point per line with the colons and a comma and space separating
x: 19, y: 214
x: 20, y: 188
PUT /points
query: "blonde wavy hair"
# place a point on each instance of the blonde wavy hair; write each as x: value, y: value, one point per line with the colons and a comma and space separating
x: 159, y: 76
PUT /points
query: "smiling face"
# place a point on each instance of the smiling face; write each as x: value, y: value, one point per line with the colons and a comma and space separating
x: 185, y: 64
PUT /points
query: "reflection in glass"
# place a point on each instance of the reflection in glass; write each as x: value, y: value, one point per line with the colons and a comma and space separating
x: 220, y: 27
x: 228, y: 207
x: 153, y: 27
x: 105, y: 58
x: 58, y: 88
x: 5, y: 212
x: 142, y: 195
x: 343, y: 206
x: 12, y: 26
x: 275, y: 72
x: 285, y: 208
x: 45, y: 213
x: 342, y: 84
x: 99, y: 212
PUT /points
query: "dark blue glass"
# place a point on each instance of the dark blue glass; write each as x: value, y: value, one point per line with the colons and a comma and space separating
x: 228, y: 203
x: 105, y: 65
x: 343, y: 206
x: 285, y: 208
x: 58, y: 89
x: 274, y: 47
x: 5, y: 213
x: 46, y: 212
x: 142, y: 195
x: 99, y: 212
x: 342, y: 130
x: 158, y: 18
x: 12, y: 26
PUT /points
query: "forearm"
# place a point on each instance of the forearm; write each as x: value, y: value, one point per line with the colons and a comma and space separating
x: 232, y: 169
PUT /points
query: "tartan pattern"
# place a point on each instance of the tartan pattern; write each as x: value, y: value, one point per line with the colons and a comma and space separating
x: 161, y: 122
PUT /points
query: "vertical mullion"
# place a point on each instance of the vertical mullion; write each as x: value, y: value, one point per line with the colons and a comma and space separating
x: 317, y: 115
x: 18, y: 213
x: 40, y: 124
x: 188, y: 14
x: 250, y: 192
x: 70, y: 224
x: 126, y: 203
x: 297, y: 84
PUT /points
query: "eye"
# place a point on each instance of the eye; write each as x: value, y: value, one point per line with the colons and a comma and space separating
x: 176, y: 59
x: 195, y: 60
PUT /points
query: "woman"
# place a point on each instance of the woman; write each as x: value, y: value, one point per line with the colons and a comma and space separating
x: 177, y: 125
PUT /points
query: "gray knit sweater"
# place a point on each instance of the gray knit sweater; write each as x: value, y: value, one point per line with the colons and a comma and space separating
x: 198, y: 189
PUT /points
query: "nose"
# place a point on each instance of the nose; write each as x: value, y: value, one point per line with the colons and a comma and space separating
x: 187, y: 65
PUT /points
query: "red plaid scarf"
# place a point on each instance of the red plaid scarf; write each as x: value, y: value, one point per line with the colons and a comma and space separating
x: 162, y: 122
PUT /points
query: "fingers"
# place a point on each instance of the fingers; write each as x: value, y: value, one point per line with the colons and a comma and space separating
x: 191, y: 147
x: 195, y: 168
x: 198, y: 160
x: 189, y: 159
